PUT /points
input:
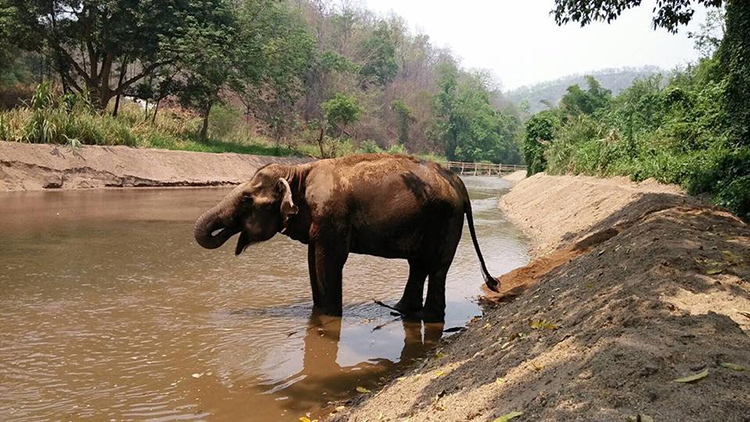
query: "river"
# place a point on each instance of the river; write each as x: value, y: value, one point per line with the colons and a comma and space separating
x: 110, y: 311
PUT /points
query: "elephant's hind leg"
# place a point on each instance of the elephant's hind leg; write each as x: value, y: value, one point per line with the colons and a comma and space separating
x: 411, y: 301
x: 434, y: 307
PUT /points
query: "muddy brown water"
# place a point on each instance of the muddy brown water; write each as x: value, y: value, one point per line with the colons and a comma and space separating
x: 110, y: 311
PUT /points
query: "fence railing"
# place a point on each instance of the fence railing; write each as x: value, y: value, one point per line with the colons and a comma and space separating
x: 481, y: 169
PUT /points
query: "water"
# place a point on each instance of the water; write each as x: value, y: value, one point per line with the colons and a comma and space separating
x: 110, y: 311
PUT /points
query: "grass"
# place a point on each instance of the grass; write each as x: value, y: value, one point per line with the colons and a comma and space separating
x: 70, y: 120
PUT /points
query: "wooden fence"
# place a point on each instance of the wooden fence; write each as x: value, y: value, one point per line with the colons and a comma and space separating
x: 481, y: 169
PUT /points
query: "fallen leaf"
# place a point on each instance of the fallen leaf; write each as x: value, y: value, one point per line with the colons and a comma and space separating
x: 537, y: 367
x: 196, y: 375
x: 508, y: 416
x: 487, y: 326
x: 714, y: 271
x: 341, y: 408
x: 732, y: 366
x: 544, y: 325
x: 363, y: 390
x: 731, y: 257
x: 500, y: 381
x: 440, y: 374
x: 693, y: 378
x: 439, y: 355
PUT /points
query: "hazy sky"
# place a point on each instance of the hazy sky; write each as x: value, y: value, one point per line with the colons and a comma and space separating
x: 519, y: 42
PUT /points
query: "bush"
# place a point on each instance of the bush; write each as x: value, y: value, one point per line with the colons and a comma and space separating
x: 675, y: 133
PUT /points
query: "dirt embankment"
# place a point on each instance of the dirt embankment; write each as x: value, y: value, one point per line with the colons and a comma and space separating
x: 633, y: 287
x: 43, y: 166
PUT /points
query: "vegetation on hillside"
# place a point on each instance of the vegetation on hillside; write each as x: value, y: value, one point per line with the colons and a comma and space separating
x: 535, y: 98
x: 690, y: 128
x: 299, y: 73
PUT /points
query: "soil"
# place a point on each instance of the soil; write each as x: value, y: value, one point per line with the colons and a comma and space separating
x: 43, y: 166
x: 516, y: 176
x: 634, y: 286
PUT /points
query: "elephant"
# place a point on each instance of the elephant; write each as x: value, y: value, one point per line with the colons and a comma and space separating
x: 391, y: 206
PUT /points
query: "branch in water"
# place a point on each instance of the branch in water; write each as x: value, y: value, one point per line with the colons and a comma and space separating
x: 389, y: 307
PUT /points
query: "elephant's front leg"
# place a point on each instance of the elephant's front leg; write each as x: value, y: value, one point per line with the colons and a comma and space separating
x: 315, y: 286
x: 331, y: 253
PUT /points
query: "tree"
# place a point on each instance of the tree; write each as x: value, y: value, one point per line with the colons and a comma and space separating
x: 734, y: 59
x: 85, y: 39
x: 540, y: 131
x: 404, y: 118
x: 471, y: 128
x: 379, y: 55
x: 578, y: 101
x: 341, y: 111
x: 669, y: 14
x: 708, y: 38
x: 275, y: 50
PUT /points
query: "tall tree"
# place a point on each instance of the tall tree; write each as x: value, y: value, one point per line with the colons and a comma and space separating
x: 85, y: 39
x: 274, y: 51
x: 734, y: 57
x: 378, y: 53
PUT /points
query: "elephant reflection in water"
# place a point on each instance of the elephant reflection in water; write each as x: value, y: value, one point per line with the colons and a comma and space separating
x: 325, y: 378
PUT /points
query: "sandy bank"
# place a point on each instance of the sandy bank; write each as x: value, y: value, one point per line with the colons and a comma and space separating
x: 43, y: 166
x: 634, y: 286
x: 516, y: 176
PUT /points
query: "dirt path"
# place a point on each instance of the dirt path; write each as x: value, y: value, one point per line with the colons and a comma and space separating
x: 43, y: 166
x: 634, y: 287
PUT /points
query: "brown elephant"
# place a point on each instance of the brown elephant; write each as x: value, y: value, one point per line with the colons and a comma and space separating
x: 374, y: 204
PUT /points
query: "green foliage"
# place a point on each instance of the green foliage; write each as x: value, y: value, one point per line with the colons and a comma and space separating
x: 540, y: 130
x: 677, y: 133
x: 86, y: 39
x: 733, y: 58
x: 369, y: 147
x: 669, y: 14
x: 342, y: 110
x: 471, y: 128
x: 378, y: 53
x: 404, y: 119
x: 578, y: 101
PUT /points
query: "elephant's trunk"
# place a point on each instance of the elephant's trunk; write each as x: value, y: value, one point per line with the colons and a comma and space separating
x: 206, y: 228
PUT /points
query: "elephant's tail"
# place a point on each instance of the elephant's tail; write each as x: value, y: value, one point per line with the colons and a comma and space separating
x: 489, y: 280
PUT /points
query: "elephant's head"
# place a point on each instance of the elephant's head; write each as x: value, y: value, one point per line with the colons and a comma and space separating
x: 257, y: 209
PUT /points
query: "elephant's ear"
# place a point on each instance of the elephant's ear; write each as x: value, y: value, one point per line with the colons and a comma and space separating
x: 288, y: 209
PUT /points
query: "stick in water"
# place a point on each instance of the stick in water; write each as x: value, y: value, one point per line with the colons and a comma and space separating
x: 388, y: 306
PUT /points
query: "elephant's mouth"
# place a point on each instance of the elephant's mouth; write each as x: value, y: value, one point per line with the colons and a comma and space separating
x: 242, y: 243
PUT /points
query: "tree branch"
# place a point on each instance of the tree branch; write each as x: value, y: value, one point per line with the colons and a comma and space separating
x: 145, y: 72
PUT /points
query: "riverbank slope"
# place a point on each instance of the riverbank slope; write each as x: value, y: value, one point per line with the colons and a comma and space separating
x: 633, y: 287
x: 44, y: 166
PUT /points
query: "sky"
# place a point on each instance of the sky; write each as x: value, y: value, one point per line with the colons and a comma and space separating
x: 519, y: 42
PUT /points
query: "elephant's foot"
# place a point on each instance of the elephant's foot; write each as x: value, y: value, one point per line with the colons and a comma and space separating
x: 425, y: 315
x: 407, y: 307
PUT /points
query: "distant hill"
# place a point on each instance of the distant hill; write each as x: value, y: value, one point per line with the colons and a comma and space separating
x: 615, y: 80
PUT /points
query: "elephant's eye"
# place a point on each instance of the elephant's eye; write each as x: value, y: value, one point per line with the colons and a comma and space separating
x: 247, y: 198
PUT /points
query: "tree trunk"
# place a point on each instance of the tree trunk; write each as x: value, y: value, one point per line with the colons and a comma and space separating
x: 156, y: 110
x: 204, y: 129
x: 123, y: 69
x: 734, y: 56
x: 321, y: 138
